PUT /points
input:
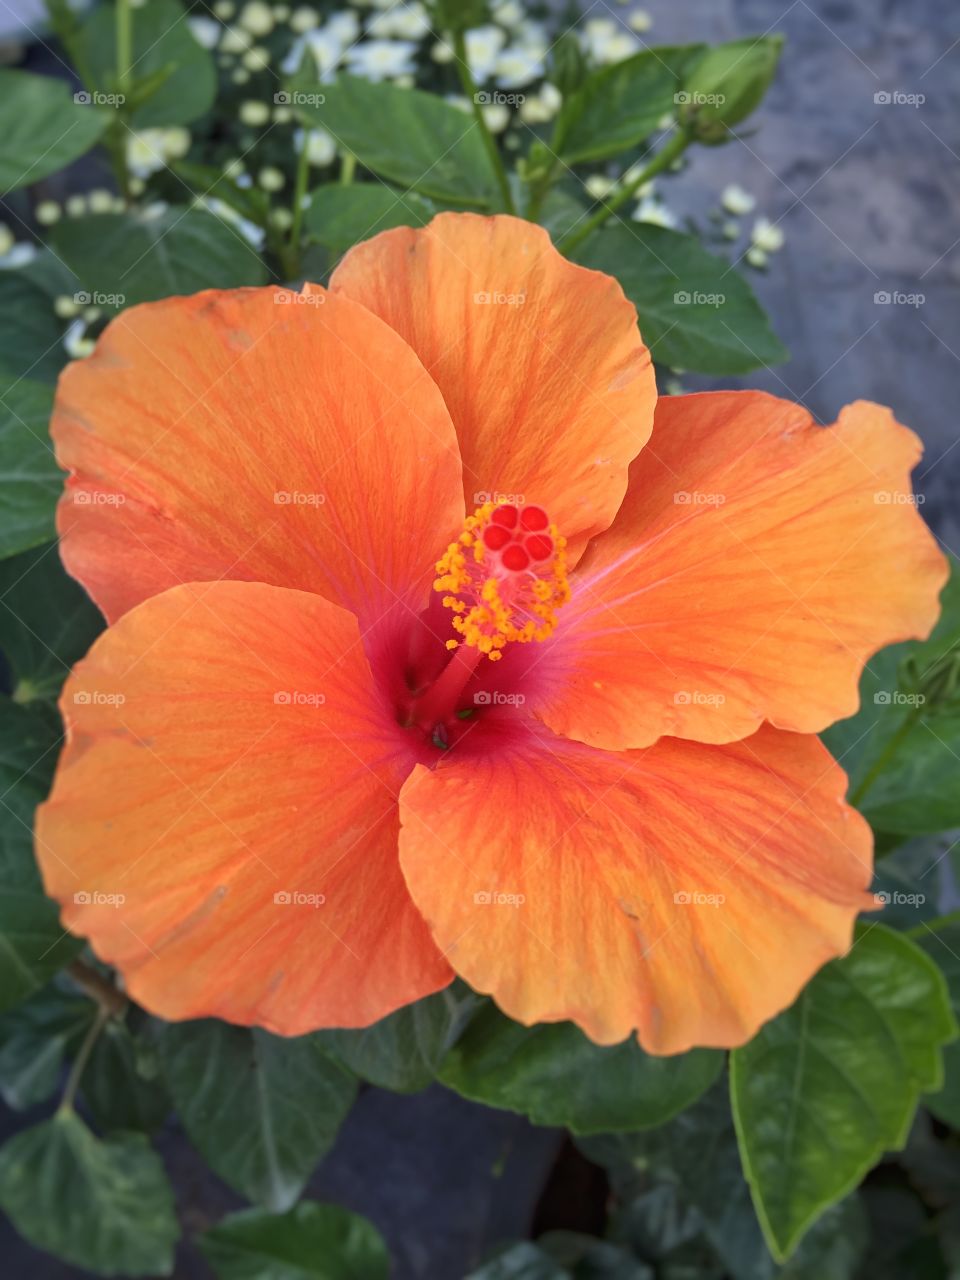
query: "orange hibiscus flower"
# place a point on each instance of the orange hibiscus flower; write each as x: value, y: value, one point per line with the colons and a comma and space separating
x: 440, y: 645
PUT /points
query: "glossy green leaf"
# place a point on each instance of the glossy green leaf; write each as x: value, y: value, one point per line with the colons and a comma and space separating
x: 31, y: 337
x: 165, y: 53
x: 138, y: 257
x: 695, y: 311
x: 30, y: 480
x: 941, y: 942
x: 262, y: 1109
x: 47, y: 622
x: 726, y: 83
x: 901, y: 748
x: 102, y: 1205
x: 620, y: 105
x: 523, y: 1261
x: 825, y: 1088
x: 311, y: 1242
x: 122, y: 1082
x: 33, y: 945
x: 340, y: 216
x: 419, y: 141
x: 556, y: 1076
x: 35, y: 1040
x: 403, y: 1051
x: 42, y: 127
x: 682, y: 1201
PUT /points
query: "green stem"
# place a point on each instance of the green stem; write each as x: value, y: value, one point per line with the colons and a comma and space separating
x: 124, y: 26
x: 299, y: 194
x: 67, y: 29
x: 80, y: 1061
x: 894, y: 743
x: 348, y: 167
x: 490, y: 146
x: 116, y: 138
x: 662, y: 160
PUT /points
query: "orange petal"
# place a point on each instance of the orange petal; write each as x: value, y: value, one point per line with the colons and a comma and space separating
x: 757, y: 562
x: 224, y: 747
x: 539, y: 361
x: 687, y: 891
x: 261, y: 435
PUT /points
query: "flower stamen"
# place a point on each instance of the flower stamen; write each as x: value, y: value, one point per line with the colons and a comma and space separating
x: 504, y: 578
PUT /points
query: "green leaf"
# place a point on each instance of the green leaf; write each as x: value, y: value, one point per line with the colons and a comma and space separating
x: 561, y: 213
x: 418, y: 141
x: 523, y: 1261
x: 825, y: 1088
x: 121, y: 1084
x: 103, y: 1205
x: 726, y: 84
x: 262, y: 1109
x: 311, y: 1242
x: 683, y: 1200
x: 900, y: 749
x: 31, y: 339
x: 35, y: 1040
x: 162, y: 41
x: 30, y: 480
x: 403, y: 1051
x: 620, y: 105
x: 556, y: 1076
x: 42, y: 128
x: 941, y: 942
x: 33, y: 946
x: 139, y: 257
x: 47, y: 622
x: 695, y: 311
x: 340, y: 216
x: 251, y: 202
